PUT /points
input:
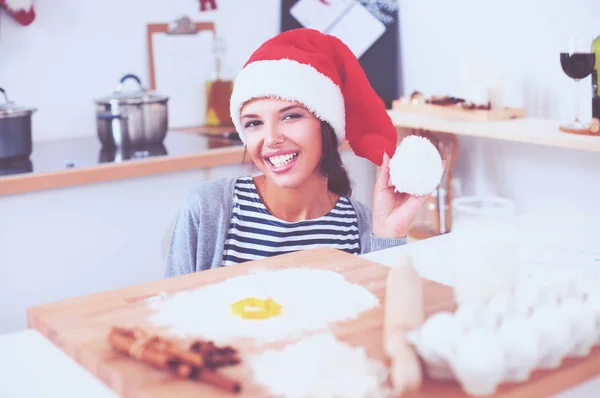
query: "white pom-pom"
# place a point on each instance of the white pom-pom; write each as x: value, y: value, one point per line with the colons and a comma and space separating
x: 416, y: 167
x: 479, y: 363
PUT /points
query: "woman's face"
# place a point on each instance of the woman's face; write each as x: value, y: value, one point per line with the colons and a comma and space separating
x: 283, y: 139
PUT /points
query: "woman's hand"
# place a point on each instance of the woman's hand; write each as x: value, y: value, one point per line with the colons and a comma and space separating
x: 393, y: 212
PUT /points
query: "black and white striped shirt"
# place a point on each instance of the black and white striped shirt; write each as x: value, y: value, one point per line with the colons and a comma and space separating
x: 254, y: 233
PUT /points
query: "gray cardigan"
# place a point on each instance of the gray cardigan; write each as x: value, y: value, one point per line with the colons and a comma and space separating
x: 199, y: 232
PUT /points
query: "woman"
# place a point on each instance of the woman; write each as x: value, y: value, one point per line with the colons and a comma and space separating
x: 297, y: 99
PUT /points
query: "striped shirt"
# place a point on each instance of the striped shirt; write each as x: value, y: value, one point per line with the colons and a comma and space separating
x: 254, y: 233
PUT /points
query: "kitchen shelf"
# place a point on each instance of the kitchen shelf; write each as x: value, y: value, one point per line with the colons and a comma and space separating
x: 526, y: 130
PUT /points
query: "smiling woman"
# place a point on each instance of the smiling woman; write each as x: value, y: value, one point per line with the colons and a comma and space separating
x: 297, y: 99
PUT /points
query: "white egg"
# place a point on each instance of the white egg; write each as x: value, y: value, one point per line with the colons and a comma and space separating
x: 470, y: 315
x: 586, y: 286
x: 560, y: 286
x: 439, y: 336
x: 592, y: 303
x: 521, y: 345
x: 526, y: 299
x: 499, y: 308
x: 582, y: 326
x: 479, y: 363
x: 555, y: 336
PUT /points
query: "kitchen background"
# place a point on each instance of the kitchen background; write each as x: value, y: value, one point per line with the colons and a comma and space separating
x: 61, y: 243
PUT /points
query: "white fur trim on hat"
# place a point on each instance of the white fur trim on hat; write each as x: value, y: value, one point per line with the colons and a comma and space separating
x: 291, y: 81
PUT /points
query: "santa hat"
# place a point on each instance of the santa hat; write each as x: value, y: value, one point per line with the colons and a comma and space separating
x: 21, y: 10
x: 321, y: 72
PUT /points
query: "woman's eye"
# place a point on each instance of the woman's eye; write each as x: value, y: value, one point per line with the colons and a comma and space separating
x: 252, y: 123
x: 292, y: 116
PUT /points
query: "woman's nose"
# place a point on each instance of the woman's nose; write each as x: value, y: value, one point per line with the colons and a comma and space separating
x: 273, y: 135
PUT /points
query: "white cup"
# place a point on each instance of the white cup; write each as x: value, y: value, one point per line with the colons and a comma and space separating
x: 484, y: 238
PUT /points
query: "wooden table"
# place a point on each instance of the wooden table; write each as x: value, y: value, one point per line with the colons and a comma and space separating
x: 80, y: 326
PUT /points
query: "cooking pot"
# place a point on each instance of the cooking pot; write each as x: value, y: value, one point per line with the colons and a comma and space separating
x: 15, y: 131
x: 19, y: 166
x: 131, y: 119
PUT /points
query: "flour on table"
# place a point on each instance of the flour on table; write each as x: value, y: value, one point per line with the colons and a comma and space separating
x: 311, y: 300
x: 320, y: 366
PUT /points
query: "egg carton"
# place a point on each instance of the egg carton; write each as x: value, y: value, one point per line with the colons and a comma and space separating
x: 548, y: 317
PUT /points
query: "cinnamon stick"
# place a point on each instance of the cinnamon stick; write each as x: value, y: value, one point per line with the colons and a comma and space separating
x: 217, y: 380
x: 124, y: 344
x: 184, y: 371
x: 215, y: 357
x: 165, y: 355
x: 169, y: 348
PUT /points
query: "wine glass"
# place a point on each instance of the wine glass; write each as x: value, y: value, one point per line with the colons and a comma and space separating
x: 577, y: 61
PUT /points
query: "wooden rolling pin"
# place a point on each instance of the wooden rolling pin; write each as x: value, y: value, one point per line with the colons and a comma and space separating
x: 403, y: 313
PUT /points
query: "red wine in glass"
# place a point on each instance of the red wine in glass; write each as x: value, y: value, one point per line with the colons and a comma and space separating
x: 577, y: 61
x: 577, y: 65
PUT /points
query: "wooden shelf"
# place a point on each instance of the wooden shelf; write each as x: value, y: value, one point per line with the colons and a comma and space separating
x: 527, y: 130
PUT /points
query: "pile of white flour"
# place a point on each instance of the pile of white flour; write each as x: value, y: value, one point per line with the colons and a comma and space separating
x: 320, y: 366
x: 311, y: 299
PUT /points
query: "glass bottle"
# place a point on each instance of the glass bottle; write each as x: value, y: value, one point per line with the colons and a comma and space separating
x: 595, y: 74
x: 218, y: 91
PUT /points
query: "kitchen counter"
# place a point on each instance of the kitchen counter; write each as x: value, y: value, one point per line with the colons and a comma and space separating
x: 69, y: 162
x: 79, y: 161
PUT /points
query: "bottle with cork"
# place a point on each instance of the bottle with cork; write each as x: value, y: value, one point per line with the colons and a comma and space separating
x: 595, y: 75
x: 218, y: 90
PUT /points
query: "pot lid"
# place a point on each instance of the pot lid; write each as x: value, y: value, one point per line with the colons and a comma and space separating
x: 10, y: 109
x: 140, y: 96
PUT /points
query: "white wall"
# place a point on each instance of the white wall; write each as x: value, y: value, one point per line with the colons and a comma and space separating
x: 78, y: 50
x: 521, y: 40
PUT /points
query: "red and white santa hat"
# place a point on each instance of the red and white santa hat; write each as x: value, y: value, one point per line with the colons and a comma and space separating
x: 21, y: 10
x: 321, y: 72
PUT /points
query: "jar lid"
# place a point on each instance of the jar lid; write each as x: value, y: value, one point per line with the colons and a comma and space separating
x: 10, y: 109
x: 140, y: 96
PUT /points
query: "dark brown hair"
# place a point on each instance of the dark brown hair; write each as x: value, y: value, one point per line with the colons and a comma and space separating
x: 330, y: 164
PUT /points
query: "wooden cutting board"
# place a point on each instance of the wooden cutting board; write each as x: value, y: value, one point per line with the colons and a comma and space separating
x: 80, y: 326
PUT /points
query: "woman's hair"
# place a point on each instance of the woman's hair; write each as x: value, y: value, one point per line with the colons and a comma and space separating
x: 330, y: 164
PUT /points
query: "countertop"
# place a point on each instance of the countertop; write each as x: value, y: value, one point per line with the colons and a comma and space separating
x: 68, y: 162
x: 62, y: 163
x: 42, y: 368
x: 528, y: 130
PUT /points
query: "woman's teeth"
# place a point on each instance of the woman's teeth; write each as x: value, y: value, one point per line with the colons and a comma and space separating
x: 282, y: 160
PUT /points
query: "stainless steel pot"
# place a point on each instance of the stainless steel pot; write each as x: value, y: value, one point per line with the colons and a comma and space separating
x: 132, y: 119
x: 15, y: 131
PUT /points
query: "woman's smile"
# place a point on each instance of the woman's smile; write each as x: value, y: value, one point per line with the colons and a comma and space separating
x: 281, y: 161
